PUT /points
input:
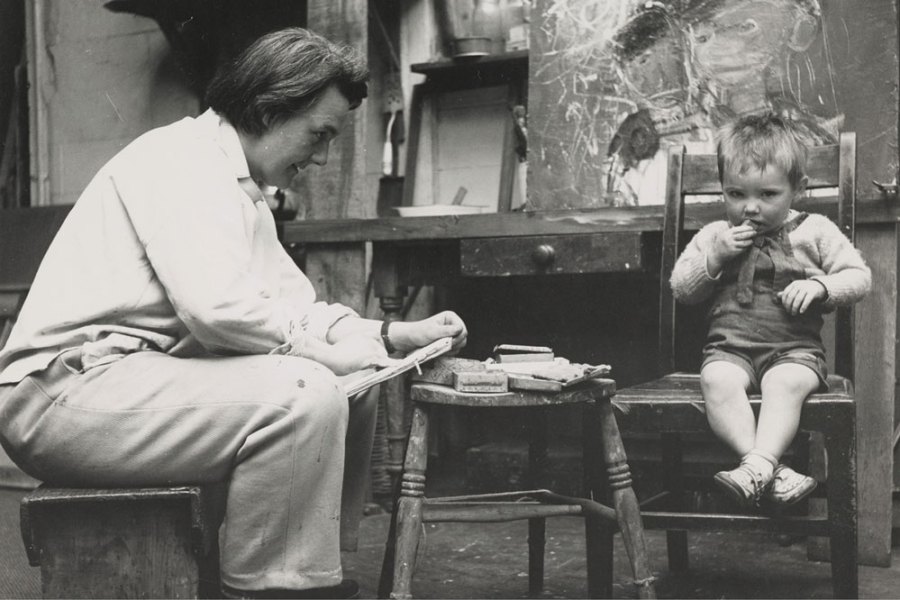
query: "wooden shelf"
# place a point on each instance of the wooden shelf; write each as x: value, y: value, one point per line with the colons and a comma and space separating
x: 485, y: 70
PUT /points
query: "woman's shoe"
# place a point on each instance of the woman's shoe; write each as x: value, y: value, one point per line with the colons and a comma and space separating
x: 789, y: 486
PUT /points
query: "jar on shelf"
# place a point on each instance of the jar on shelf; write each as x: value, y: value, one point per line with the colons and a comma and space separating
x: 487, y: 22
x: 516, y: 23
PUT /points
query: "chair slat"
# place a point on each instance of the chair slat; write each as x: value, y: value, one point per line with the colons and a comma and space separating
x: 701, y: 171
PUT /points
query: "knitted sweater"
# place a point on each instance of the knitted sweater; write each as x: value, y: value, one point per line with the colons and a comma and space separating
x: 825, y: 253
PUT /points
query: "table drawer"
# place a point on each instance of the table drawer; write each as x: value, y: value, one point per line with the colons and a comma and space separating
x: 547, y: 254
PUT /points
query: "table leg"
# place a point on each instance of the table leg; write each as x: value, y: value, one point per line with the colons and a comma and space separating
x: 391, y: 293
x: 598, y: 532
x: 537, y: 465
x: 393, y: 401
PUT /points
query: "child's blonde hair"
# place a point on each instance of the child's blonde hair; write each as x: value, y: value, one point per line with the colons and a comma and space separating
x: 760, y: 141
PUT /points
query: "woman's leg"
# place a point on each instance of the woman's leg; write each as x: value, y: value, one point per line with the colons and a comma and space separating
x: 357, y: 465
x: 274, y: 424
x: 724, y: 386
x: 785, y: 388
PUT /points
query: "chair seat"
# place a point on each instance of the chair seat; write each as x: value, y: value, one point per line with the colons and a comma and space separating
x: 674, y: 403
x: 588, y: 391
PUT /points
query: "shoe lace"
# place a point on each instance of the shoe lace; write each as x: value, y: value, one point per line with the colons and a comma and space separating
x: 755, y: 479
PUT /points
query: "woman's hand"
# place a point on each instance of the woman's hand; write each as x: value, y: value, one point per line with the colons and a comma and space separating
x: 408, y: 336
x: 800, y: 294
x: 351, y: 354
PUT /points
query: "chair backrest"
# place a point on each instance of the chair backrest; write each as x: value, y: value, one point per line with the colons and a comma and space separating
x: 831, y: 166
x: 25, y: 235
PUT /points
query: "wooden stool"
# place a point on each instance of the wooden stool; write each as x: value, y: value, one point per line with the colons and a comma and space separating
x: 124, y: 543
x: 602, y: 446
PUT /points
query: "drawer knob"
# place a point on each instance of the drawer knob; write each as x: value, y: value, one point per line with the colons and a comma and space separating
x: 543, y: 255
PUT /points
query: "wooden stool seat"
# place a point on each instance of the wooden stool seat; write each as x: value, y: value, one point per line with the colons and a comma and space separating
x: 607, y: 478
x: 590, y: 391
x: 124, y: 543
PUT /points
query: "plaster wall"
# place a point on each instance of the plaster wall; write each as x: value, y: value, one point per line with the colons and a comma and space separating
x: 101, y: 79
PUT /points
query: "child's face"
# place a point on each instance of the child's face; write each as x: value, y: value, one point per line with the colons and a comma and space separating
x: 763, y: 197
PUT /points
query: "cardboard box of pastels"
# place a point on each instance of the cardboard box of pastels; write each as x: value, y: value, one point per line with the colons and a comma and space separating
x: 510, y: 367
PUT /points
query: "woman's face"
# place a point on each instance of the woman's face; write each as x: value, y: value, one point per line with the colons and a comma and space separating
x: 741, y: 38
x: 276, y: 157
x: 657, y: 73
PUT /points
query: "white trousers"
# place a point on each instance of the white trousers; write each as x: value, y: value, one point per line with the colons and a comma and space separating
x: 274, y: 427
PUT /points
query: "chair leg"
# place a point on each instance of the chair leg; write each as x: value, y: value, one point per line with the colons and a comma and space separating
x: 842, y: 511
x: 625, y: 501
x: 676, y: 540
x: 409, y: 507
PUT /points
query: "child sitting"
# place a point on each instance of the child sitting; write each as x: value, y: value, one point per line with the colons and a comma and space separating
x: 771, y: 272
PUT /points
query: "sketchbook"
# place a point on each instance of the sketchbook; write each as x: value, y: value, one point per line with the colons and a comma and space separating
x: 411, y: 361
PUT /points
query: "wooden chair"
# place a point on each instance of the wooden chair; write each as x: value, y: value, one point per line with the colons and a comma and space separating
x: 602, y: 446
x: 672, y: 405
x: 110, y: 543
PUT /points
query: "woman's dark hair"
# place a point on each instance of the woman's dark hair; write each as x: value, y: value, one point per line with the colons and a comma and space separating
x: 281, y: 74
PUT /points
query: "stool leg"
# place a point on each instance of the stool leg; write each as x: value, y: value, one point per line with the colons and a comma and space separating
x: 842, y: 510
x: 409, y: 507
x: 676, y: 539
x: 624, y: 500
x: 537, y: 539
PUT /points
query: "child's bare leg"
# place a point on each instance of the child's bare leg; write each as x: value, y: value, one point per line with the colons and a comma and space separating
x: 784, y: 389
x: 724, y: 386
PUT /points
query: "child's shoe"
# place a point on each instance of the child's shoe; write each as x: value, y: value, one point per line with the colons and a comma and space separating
x: 745, y: 484
x: 789, y: 486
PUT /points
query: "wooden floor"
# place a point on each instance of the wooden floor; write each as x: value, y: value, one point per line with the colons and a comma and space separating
x: 488, y: 561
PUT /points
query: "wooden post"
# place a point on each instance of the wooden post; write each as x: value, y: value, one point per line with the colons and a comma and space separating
x: 876, y: 363
x: 338, y: 189
x: 39, y: 77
